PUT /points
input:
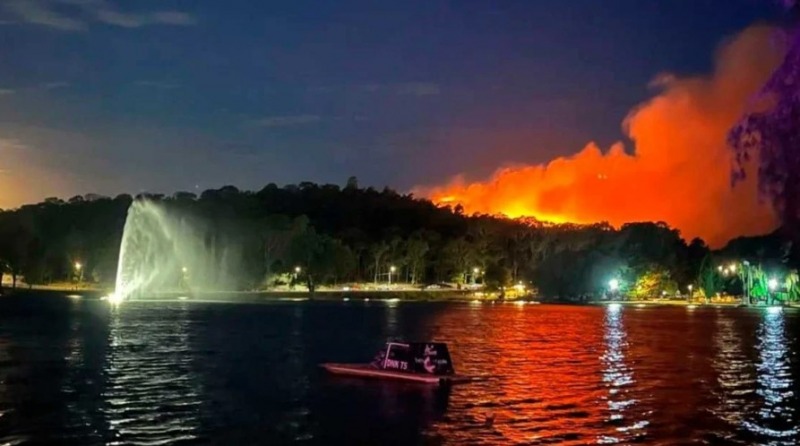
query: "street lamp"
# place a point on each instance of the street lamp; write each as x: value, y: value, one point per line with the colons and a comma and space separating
x: 690, y: 290
x: 613, y: 285
x: 732, y: 268
x: 748, y: 281
x: 475, y: 272
x: 79, y: 272
x: 297, y: 270
x: 392, y: 269
x: 772, y: 284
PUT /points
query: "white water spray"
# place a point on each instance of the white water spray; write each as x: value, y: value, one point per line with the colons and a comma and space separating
x: 163, y: 252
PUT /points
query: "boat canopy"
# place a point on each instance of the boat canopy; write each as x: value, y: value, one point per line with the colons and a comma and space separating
x: 430, y: 358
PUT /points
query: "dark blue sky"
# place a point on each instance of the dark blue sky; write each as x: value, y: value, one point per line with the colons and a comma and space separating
x: 160, y: 95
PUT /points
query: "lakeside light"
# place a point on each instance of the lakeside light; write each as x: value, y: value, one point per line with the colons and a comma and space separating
x: 182, y: 297
x: 691, y: 307
x: 613, y: 284
x: 475, y: 302
x: 297, y: 269
x: 73, y: 296
x: 346, y: 299
x: 774, y: 310
x: 114, y: 298
x: 366, y: 299
x: 519, y: 303
x: 347, y: 288
x: 772, y: 284
x: 640, y: 305
x: 78, y: 266
x: 393, y: 300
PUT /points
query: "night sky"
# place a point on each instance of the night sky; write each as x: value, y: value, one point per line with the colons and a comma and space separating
x: 158, y: 95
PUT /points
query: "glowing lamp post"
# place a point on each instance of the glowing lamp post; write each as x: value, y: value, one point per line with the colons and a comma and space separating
x: 748, y: 281
x: 392, y: 269
x: 772, y: 284
x: 613, y: 285
x: 475, y: 272
x: 690, y: 291
x: 296, y: 274
x: 79, y: 272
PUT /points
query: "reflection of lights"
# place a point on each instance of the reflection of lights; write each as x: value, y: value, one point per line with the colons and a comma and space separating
x: 74, y: 296
x: 775, y: 419
x: 519, y: 303
x: 640, y: 305
x: 476, y: 302
x: 691, y: 307
x: 346, y: 299
x: 774, y: 310
x: 734, y: 372
x: 115, y: 298
x: 618, y: 379
x: 366, y: 299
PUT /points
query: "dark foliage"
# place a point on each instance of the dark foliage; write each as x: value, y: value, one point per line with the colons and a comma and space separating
x: 341, y: 235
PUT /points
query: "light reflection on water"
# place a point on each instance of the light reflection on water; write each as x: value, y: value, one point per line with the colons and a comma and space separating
x: 735, y: 373
x: 162, y: 373
x: 152, y: 393
x: 775, y: 417
x: 618, y: 379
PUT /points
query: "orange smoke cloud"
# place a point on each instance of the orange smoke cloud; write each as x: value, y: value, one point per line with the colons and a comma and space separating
x: 678, y: 173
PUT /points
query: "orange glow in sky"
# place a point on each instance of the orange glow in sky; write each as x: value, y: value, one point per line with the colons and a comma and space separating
x: 677, y: 172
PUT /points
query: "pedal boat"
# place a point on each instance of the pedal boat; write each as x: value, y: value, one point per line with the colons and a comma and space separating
x: 421, y: 362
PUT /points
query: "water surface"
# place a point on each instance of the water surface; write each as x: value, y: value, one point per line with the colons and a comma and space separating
x: 75, y: 371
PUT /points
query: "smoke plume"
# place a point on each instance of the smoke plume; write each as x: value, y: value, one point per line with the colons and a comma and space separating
x: 679, y: 170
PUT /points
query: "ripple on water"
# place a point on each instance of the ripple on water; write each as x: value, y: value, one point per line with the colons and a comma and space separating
x: 198, y: 373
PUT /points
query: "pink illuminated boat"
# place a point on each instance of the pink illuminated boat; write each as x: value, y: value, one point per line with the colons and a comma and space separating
x: 422, y: 362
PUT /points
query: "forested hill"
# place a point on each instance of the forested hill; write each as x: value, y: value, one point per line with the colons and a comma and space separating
x: 352, y: 234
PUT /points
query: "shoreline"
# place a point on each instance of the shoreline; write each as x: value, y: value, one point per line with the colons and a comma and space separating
x: 444, y: 296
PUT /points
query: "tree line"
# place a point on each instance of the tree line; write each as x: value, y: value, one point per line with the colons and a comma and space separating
x: 340, y: 235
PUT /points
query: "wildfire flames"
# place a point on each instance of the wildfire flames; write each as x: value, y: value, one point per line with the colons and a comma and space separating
x: 678, y: 172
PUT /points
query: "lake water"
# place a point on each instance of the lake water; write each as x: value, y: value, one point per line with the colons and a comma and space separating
x: 75, y: 371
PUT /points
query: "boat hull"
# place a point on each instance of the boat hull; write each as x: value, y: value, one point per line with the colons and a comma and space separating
x: 367, y: 371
